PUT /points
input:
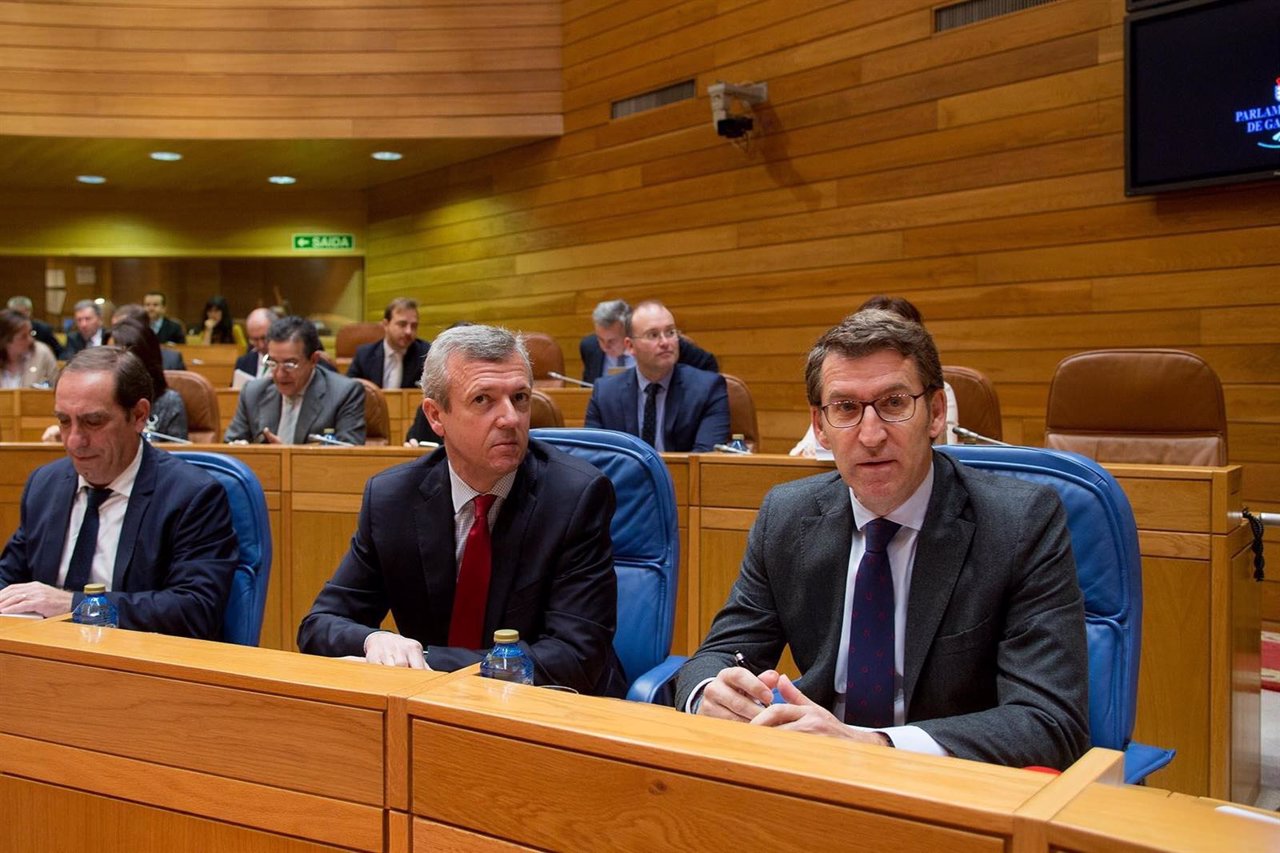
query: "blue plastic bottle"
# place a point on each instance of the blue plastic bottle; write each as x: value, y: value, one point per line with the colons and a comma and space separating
x: 506, y: 661
x: 95, y: 608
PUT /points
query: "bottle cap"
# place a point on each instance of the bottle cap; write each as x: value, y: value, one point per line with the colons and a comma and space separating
x: 95, y: 588
x: 737, y: 436
x: 506, y: 635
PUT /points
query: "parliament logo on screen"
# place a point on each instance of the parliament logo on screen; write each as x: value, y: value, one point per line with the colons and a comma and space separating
x: 1263, y: 120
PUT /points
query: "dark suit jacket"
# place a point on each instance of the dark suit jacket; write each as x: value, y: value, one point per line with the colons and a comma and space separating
x: 367, y: 362
x: 170, y: 332
x: 696, y: 417
x: 552, y: 580
x: 171, y: 359
x: 593, y: 357
x: 332, y: 402
x: 75, y: 343
x: 177, y: 551
x: 44, y: 334
x: 996, y: 667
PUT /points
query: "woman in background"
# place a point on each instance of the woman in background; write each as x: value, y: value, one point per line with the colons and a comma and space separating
x: 168, y: 413
x: 24, y: 361
x: 217, y: 327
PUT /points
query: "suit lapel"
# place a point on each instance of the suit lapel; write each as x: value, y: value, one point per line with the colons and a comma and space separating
x: 433, y: 521
x: 509, y: 533
x: 48, y: 558
x: 671, y: 409
x: 630, y: 401
x: 144, y: 487
x: 823, y: 563
x: 941, y: 549
x: 312, y: 405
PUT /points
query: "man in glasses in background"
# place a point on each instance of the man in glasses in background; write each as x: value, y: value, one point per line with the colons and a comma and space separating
x: 929, y: 606
x: 672, y: 406
x: 295, y: 400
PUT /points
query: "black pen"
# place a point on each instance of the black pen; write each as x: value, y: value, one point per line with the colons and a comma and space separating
x: 740, y: 660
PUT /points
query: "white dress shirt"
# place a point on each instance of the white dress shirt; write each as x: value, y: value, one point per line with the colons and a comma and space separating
x: 110, y: 522
x: 464, y: 508
x: 392, y: 367
x: 659, y: 444
x: 290, y: 408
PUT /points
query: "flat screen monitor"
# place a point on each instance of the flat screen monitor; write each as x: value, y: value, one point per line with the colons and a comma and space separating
x: 1202, y: 94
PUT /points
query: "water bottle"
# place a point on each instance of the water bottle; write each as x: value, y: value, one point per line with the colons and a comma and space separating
x: 739, y: 443
x: 95, y: 608
x: 506, y: 661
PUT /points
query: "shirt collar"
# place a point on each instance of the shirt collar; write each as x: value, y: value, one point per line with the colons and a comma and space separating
x: 909, y: 514
x: 123, y: 483
x: 463, y: 494
x: 302, y: 392
x: 664, y: 382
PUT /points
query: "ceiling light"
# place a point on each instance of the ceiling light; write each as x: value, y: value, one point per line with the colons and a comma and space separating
x: 386, y: 155
x: 282, y: 179
x: 166, y: 156
x: 91, y: 179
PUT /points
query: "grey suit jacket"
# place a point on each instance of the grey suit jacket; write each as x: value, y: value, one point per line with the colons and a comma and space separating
x: 332, y: 402
x: 995, y: 664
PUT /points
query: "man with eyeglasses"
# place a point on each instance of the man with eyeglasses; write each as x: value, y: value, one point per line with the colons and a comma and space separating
x: 295, y: 400
x: 672, y: 406
x: 928, y: 606
x: 604, y: 351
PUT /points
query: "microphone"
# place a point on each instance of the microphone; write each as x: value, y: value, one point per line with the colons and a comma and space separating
x: 978, y: 438
x: 329, y: 440
x: 150, y: 434
x: 564, y: 378
x: 724, y: 448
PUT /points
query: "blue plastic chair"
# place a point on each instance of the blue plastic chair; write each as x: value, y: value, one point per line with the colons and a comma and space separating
x: 242, y: 622
x: 1104, y: 540
x: 646, y: 549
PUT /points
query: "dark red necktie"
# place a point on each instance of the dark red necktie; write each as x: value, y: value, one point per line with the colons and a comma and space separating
x: 868, y: 698
x: 466, y: 625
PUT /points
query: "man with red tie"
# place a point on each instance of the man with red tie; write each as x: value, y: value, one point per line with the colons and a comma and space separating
x: 490, y: 531
x: 929, y: 606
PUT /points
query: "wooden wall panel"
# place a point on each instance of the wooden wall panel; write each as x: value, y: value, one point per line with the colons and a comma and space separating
x: 978, y: 172
x: 292, y: 69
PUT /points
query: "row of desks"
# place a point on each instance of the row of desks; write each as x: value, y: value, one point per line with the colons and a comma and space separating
x: 1199, y: 674
x: 121, y: 740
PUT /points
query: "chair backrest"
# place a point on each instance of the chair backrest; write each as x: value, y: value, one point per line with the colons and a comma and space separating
x: 201, y: 401
x: 742, y: 412
x: 646, y: 544
x: 545, y: 356
x: 977, y: 405
x: 1153, y: 406
x: 377, y: 420
x: 544, y: 412
x: 242, y: 622
x: 354, y: 335
x: 1104, y: 540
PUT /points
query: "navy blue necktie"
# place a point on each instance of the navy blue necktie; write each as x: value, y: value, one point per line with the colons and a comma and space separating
x: 649, y: 429
x: 86, y: 542
x: 868, y: 698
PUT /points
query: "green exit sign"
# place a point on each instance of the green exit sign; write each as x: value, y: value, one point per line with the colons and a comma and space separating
x: 323, y: 242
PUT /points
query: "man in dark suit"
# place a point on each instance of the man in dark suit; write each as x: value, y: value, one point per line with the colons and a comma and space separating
x: 605, y: 351
x: 546, y: 570
x: 396, y: 360
x: 296, y: 399
x: 88, y: 332
x: 42, y: 332
x: 928, y: 606
x: 257, y: 325
x: 671, y: 406
x: 170, y: 358
x: 166, y: 330
x: 161, y: 531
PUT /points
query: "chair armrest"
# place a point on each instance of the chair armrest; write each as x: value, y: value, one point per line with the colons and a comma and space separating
x: 655, y: 685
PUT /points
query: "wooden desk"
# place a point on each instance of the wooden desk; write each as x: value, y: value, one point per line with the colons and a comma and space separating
x: 215, y: 362
x: 138, y: 740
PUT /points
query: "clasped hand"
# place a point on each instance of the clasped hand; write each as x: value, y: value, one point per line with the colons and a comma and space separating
x: 736, y: 694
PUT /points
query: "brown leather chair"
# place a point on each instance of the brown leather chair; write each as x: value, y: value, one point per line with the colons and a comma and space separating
x: 1151, y: 406
x: 742, y: 412
x: 201, y: 400
x: 354, y: 335
x: 546, y: 357
x: 977, y: 405
x: 377, y: 421
x: 544, y: 412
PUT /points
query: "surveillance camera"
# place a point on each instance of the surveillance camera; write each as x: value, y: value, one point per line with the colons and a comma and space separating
x: 734, y: 127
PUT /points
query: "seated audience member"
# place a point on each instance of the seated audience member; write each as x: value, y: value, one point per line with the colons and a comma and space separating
x: 396, y: 360
x: 296, y: 400
x: 809, y: 447
x: 166, y: 330
x: 216, y: 327
x: 170, y: 359
x: 957, y: 623
x: 491, y: 531
x: 43, y: 331
x: 168, y: 412
x: 606, y: 352
x: 254, y: 362
x: 116, y: 511
x: 24, y: 361
x: 88, y: 331
x: 669, y: 405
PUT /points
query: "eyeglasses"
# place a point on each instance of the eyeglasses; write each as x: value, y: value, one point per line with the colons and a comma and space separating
x: 891, y: 408
x: 654, y: 335
x: 287, y: 366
